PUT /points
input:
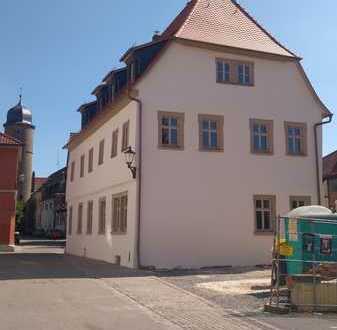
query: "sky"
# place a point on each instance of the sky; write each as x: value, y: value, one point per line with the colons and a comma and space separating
x: 58, y: 52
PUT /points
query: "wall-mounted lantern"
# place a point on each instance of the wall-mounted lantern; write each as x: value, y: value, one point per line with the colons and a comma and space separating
x: 130, y: 157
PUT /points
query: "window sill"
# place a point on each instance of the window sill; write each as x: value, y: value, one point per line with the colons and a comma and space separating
x: 170, y: 147
x: 262, y: 153
x: 211, y: 150
x: 296, y: 155
x: 101, y: 233
x: 235, y: 83
x: 117, y: 233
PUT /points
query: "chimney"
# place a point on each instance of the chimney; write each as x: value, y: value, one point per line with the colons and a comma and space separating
x: 156, y: 36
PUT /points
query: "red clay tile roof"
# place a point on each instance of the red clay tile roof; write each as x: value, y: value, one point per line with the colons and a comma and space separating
x: 8, y: 140
x: 330, y: 165
x: 40, y: 181
x: 225, y: 23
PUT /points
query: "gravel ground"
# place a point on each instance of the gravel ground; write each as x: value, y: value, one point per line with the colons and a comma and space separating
x: 204, y: 284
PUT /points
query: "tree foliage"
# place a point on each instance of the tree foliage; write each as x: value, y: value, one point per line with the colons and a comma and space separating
x: 19, y: 215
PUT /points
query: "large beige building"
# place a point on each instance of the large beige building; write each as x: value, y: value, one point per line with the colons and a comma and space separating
x: 222, y: 119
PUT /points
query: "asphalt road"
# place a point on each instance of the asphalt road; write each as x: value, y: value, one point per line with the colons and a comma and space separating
x: 40, y: 288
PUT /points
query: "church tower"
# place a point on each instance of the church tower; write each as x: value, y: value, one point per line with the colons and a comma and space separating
x: 19, y: 125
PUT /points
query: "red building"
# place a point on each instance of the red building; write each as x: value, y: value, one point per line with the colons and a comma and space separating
x: 10, y: 149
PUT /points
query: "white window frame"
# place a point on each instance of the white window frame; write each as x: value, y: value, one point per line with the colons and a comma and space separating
x: 262, y: 209
x: 246, y: 74
x: 209, y: 130
x: 223, y: 69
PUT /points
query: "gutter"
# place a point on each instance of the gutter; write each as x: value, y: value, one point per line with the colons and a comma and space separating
x: 318, y: 176
x: 139, y: 175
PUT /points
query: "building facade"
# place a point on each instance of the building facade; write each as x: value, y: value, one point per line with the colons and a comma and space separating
x: 330, y: 180
x: 10, y: 150
x: 53, y: 207
x: 221, y: 118
x: 19, y: 125
x: 46, y: 209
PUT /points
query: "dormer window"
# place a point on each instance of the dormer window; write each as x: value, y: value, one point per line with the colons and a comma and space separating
x: 112, y: 91
x: 132, y: 71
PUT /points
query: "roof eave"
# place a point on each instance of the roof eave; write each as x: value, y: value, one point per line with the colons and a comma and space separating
x: 97, y: 89
x: 130, y: 51
x: 83, y: 107
x: 238, y: 49
x: 111, y: 74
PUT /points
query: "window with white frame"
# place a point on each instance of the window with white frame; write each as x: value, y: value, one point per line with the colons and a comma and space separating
x: 265, y: 213
x: 261, y: 136
x: 80, y: 218
x: 171, y: 130
x: 296, y: 138
x: 82, y: 166
x: 101, y: 152
x: 90, y: 209
x: 119, y: 213
x: 114, y: 143
x: 125, y: 135
x: 244, y: 74
x: 222, y: 71
x: 91, y: 160
x: 101, y: 215
x: 229, y: 71
x: 211, y: 132
x: 298, y: 201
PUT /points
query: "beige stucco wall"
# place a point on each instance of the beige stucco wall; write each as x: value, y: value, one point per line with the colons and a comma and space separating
x: 197, y: 207
x: 110, y: 178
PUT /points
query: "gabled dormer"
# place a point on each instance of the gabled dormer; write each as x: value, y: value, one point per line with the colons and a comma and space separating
x: 88, y: 112
x: 110, y: 87
x: 138, y: 58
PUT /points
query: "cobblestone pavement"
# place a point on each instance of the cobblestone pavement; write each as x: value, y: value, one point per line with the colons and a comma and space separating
x: 179, y: 306
x: 246, y: 306
x: 192, y: 281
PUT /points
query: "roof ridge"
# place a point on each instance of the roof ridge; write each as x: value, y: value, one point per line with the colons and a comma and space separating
x: 245, y: 12
x: 193, y: 6
x: 196, y: 23
x: 179, y: 20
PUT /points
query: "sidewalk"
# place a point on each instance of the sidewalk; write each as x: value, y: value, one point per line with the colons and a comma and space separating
x: 179, y: 306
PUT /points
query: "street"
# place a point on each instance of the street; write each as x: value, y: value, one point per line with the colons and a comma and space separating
x: 43, y: 289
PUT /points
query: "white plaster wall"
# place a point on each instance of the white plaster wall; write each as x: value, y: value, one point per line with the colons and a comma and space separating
x: 197, y: 207
x: 110, y: 178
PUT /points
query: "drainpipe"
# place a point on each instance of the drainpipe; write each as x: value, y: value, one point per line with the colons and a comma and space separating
x: 318, y: 176
x: 139, y: 174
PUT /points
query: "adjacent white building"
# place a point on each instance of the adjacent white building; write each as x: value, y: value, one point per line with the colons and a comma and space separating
x: 221, y: 117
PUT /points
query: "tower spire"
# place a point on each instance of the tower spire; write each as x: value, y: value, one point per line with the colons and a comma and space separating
x: 20, y: 96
